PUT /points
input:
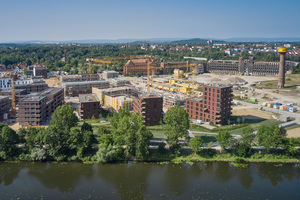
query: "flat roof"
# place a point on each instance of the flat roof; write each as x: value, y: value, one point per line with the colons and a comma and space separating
x: 33, y: 98
x: 88, y: 98
x: 148, y: 96
x: 197, y: 99
x: 85, y: 82
x: 217, y: 85
x: 3, y: 97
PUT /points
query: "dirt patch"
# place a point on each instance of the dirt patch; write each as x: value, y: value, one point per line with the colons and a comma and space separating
x: 251, y: 113
x: 293, y: 133
x: 53, y: 82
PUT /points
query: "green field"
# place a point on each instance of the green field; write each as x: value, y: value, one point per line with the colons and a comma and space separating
x: 267, y: 122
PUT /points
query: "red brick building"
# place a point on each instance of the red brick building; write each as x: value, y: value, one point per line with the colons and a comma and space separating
x: 89, y: 106
x: 134, y: 66
x: 214, y: 106
x: 150, y: 107
x: 40, y: 70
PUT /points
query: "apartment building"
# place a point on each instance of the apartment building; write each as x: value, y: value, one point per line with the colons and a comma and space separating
x: 139, y: 66
x: 75, y: 88
x: 36, y: 108
x: 80, y: 78
x: 118, y: 91
x: 214, y: 106
x: 150, y: 107
x: 89, y: 106
x: 5, y: 105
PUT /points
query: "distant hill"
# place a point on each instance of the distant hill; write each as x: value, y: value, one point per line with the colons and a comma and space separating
x: 194, y: 40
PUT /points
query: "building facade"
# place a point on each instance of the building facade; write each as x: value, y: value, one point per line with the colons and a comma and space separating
x: 139, y: 66
x: 75, y: 88
x: 248, y: 67
x: 5, y: 105
x: 89, y: 106
x: 214, y: 106
x: 150, y: 107
x: 109, y: 74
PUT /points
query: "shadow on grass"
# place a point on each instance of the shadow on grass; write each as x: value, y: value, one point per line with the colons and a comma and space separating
x: 249, y: 119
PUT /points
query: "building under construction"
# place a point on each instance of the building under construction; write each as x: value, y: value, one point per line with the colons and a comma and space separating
x: 36, y: 108
x: 75, y: 88
x: 247, y: 67
x: 79, y: 78
x: 118, y: 91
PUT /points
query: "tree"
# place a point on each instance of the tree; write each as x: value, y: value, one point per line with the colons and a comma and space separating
x: 196, y: 144
x: 38, y: 154
x: 63, y: 118
x: 238, y: 120
x: 26, y: 72
x: 248, y: 135
x: 224, y: 138
x: 86, y: 127
x: 270, y: 136
x: 8, y: 140
x: 177, y: 122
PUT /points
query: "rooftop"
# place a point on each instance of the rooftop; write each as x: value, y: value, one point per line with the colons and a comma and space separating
x: 218, y: 85
x: 88, y: 98
x: 197, y: 99
x: 33, y: 98
x: 85, y: 82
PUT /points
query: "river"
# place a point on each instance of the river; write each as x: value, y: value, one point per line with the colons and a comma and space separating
x: 210, y: 180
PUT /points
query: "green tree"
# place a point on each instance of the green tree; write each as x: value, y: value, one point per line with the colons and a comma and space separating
x: 177, y: 123
x: 26, y: 72
x: 224, y: 138
x: 8, y: 140
x: 270, y: 136
x: 196, y: 144
x: 63, y: 118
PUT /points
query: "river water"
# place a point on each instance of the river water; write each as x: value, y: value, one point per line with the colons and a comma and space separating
x: 211, y: 180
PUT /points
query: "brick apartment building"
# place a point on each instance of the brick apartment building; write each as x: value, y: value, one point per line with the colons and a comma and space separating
x: 37, y: 108
x: 139, y: 66
x: 214, y: 106
x: 150, y: 107
x: 89, y: 106
x: 39, y: 70
x: 5, y: 105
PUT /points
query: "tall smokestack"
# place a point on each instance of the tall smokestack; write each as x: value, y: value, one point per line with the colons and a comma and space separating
x: 281, y: 74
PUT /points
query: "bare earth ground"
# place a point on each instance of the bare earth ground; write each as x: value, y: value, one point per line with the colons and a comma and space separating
x: 53, y: 82
x: 250, y: 113
x: 293, y: 133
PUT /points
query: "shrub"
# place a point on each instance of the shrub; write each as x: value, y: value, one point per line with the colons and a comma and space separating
x: 38, y: 154
x: 105, y: 154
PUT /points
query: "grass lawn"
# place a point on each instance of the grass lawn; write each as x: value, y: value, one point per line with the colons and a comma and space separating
x: 206, y: 138
x: 267, y: 122
x: 158, y: 134
x: 293, y: 127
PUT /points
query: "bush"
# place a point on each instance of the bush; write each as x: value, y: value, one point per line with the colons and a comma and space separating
x: 38, y: 154
x: 239, y: 160
x: 105, y: 154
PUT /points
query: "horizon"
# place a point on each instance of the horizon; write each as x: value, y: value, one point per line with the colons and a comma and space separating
x: 116, y: 20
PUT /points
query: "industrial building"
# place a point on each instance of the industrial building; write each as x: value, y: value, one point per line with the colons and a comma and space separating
x: 89, y: 106
x: 36, y: 108
x: 74, y: 88
x: 248, y: 67
x: 150, y: 107
x: 109, y: 74
x: 139, y: 66
x: 214, y: 106
x: 5, y: 105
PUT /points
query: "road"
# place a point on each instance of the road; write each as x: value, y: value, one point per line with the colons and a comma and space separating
x: 285, y: 113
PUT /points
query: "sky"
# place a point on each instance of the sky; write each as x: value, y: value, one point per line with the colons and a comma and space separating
x: 60, y: 20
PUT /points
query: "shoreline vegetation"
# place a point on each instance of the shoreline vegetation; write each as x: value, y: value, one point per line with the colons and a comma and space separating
x: 128, y: 139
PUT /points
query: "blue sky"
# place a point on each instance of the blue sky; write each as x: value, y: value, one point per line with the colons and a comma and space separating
x: 23, y: 20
